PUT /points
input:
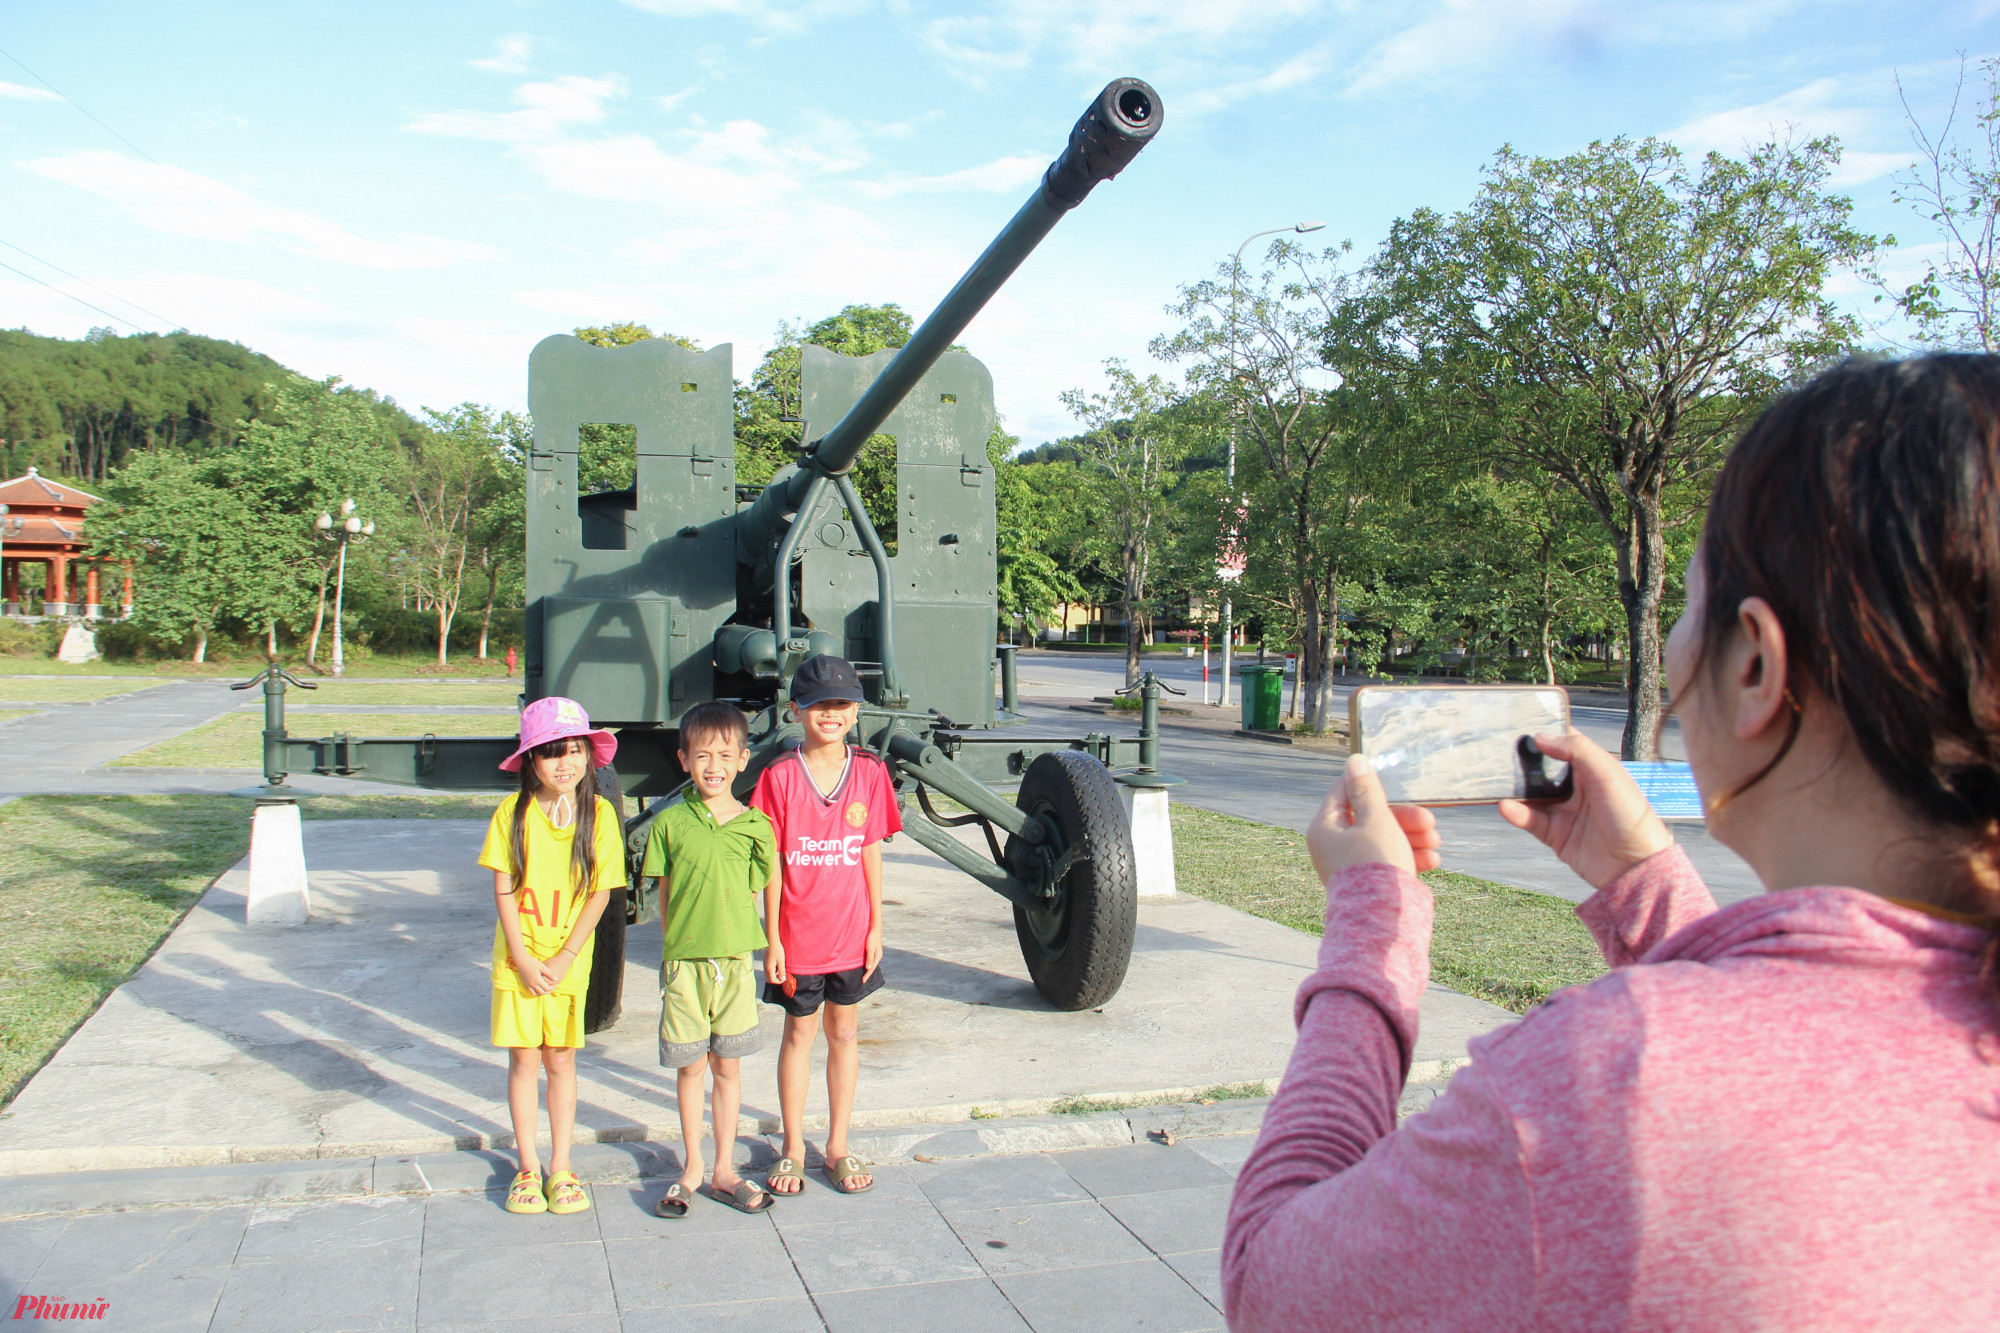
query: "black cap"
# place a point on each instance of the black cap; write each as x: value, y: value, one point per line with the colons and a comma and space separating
x: 826, y: 679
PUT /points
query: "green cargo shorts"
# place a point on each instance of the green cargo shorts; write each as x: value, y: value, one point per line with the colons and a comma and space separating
x: 707, y: 1006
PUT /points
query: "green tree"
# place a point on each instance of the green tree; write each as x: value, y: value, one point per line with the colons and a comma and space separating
x: 1315, y: 474
x: 1613, y: 317
x: 192, y: 542
x: 450, y: 475
x: 318, y: 444
x: 1132, y: 453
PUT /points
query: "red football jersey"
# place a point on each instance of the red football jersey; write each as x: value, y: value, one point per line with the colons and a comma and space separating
x: 823, y: 918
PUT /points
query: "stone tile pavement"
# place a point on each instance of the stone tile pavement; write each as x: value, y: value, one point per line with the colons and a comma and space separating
x: 1096, y: 1239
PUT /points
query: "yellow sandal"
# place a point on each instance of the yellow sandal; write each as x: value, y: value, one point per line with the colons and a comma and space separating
x: 566, y: 1193
x: 525, y: 1194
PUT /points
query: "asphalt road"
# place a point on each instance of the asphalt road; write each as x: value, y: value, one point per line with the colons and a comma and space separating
x: 1284, y: 785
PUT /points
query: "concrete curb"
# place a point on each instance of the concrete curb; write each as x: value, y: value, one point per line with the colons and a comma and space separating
x: 19, y: 1163
x: 599, y: 1163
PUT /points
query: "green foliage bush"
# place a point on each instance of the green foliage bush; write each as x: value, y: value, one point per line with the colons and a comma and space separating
x: 23, y: 640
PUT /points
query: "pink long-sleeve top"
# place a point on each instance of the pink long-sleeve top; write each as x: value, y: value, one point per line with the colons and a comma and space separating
x: 1781, y: 1115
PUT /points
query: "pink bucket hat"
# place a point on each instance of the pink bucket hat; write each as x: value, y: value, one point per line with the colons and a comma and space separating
x: 554, y: 719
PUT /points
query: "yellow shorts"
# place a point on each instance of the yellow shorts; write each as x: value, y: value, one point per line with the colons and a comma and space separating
x: 707, y: 1005
x: 520, y: 1019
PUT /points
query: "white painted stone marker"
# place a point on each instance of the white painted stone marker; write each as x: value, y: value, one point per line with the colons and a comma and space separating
x: 1152, y: 839
x: 277, y: 893
x: 79, y: 645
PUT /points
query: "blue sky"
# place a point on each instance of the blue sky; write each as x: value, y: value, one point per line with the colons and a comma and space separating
x: 411, y: 195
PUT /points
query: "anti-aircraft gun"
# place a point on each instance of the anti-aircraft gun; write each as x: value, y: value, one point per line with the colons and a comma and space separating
x: 686, y: 587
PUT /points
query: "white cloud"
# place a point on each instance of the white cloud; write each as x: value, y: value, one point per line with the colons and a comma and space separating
x: 549, y: 109
x: 1009, y: 34
x: 22, y: 93
x: 1299, y: 70
x: 184, y: 203
x: 1002, y: 174
x: 1465, y: 40
x: 510, y: 54
x: 1822, y: 107
x: 777, y: 15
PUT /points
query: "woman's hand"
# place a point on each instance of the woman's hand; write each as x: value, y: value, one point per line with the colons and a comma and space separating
x: 1606, y: 826
x: 1356, y: 825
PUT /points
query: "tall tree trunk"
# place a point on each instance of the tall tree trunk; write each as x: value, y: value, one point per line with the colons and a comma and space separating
x: 1132, y: 594
x: 319, y: 611
x: 1642, y: 578
x: 486, y: 612
x: 201, y: 644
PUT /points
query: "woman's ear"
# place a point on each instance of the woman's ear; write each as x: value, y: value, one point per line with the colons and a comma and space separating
x: 1759, y: 667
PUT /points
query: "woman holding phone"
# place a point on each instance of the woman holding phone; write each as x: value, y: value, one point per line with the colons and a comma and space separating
x: 1784, y: 1114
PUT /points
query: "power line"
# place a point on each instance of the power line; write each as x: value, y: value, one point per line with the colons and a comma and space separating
x: 73, y: 102
x: 294, y: 260
x: 93, y: 286
x: 72, y: 296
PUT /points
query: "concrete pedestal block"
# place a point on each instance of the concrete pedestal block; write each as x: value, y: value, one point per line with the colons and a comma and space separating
x: 1152, y: 839
x: 55, y: 610
x: 277, y: 891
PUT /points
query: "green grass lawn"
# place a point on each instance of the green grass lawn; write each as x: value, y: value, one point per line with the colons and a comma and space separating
x: 446, y: 691
x: 236, y: 740
x: 90, y: 885
x: 36, y: 690
x: 243, y: 666
x: 1506, y: 945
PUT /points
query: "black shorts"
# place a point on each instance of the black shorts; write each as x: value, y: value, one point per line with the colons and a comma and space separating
x: 829, y: 988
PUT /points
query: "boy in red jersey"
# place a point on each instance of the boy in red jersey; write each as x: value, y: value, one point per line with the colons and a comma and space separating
x: 831, y: 805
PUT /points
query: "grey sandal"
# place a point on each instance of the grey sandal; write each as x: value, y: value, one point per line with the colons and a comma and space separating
x: 673, y: 1205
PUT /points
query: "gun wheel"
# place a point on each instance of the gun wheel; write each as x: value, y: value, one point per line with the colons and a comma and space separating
x: 605, y: 998
x: 1078, y: 947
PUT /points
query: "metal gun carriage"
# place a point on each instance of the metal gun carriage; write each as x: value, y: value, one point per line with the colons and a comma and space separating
x: 685, y: 587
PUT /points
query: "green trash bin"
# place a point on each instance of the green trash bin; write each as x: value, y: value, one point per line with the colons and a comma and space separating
x: 1263, y: 697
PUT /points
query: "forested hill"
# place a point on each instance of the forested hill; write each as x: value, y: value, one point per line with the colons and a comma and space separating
x: 77, y: 408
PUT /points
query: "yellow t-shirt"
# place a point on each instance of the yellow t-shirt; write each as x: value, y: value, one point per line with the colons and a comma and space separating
x: 546, y: 898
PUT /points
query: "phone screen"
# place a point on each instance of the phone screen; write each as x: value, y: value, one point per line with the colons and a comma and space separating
x: 1459, y: 744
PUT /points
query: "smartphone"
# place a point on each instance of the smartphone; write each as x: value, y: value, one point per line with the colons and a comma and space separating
x: 1460, y: 744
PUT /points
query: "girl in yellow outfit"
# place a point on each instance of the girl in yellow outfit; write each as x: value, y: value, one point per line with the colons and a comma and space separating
x: 555, y: 849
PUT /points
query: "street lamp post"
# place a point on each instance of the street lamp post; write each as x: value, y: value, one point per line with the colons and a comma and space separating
x: 1235, y: 298
x: 350, y: 528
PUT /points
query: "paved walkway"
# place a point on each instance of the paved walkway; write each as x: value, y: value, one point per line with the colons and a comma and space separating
x: 1095, y: 1240
x: 364, y: 1031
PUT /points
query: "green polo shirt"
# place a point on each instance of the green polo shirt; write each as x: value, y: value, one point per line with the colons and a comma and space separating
x: 712, y: 874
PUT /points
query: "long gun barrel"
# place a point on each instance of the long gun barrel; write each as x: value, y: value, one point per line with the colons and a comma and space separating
x: 1118, y: 123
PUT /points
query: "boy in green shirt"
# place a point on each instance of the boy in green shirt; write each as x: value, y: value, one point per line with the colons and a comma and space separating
x: 713, y: 855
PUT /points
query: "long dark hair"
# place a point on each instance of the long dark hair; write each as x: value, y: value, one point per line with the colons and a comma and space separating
x: 1865, y: 509
x: 583, y: 842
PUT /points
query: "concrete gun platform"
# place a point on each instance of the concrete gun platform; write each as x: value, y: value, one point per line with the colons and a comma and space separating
x: 364, y: 1032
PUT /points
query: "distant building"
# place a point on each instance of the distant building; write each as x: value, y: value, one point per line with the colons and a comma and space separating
x: 44, y: 526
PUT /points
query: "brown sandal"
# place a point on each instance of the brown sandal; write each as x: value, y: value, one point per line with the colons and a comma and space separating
x: 745, y: 1198
x: 673, y: 1205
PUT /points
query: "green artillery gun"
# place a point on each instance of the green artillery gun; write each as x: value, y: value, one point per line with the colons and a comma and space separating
x: 685, y: 587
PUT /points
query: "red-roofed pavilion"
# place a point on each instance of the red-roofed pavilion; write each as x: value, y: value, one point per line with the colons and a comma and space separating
x: 44, y: 526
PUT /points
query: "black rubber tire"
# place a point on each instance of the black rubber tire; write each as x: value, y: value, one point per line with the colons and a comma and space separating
x: 605, y: 998
x: 1078, y: 951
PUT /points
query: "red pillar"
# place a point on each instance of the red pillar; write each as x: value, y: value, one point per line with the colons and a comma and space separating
x: 58, y: 580
x: 125, y: 599
x: 90, y: 591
